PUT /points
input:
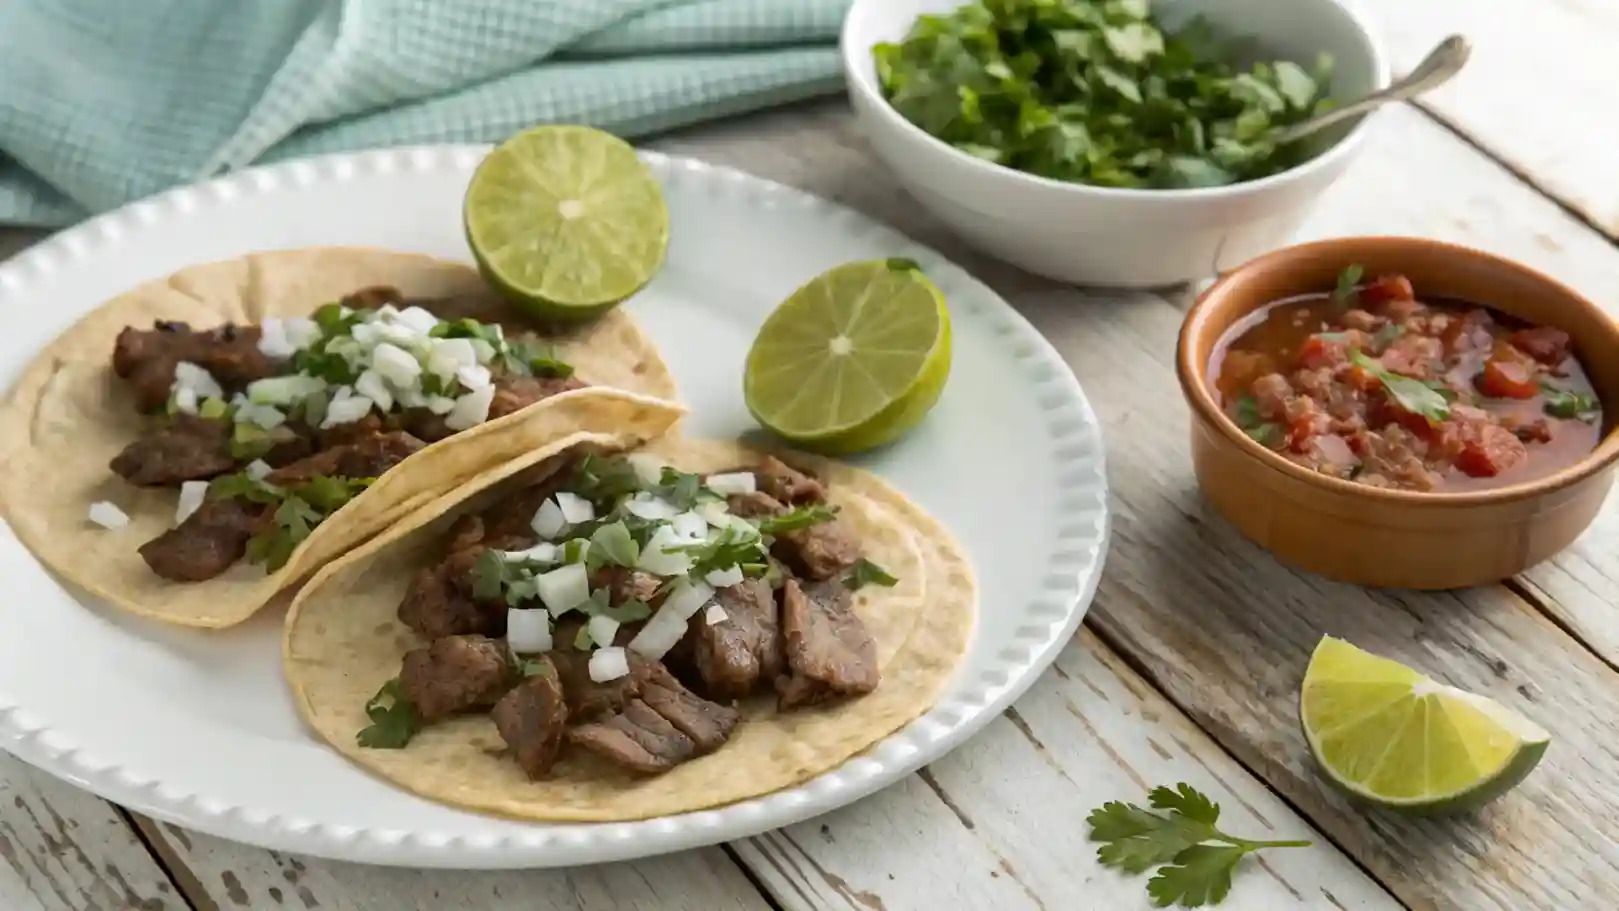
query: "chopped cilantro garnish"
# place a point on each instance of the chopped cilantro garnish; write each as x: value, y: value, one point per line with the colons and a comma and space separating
x: 729, y: 548
x: 796, y: 518
x: 679, y: 488
x: 1411, y: 394
x: 1266, y: 433
x: 630, y: 611
x: 603, y: 479
x: 612, y: 544
x: 1569, y: 403
x: 298, y: 509
x: 1348, y: 284
x: 250, y: 441
x: 394, y: 720
x: 866, y: 573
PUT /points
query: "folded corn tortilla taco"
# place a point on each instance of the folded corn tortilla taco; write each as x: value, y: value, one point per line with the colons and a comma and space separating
x: 587, y: 636
x: 192, y: 447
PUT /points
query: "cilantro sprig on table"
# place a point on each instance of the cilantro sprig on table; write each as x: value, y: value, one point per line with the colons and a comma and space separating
x: 1095, y: 91
x: 1179, y: 836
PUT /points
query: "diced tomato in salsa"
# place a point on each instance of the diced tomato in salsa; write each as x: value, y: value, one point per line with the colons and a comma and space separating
x: 1504, y: 379
x: 1388, y: 288
x: 1495, y: 449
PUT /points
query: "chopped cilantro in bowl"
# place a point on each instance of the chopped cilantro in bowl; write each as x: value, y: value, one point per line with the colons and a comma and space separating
x: 1098, y: 92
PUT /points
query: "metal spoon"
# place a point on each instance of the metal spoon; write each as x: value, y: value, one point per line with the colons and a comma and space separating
x: 1443, y: 62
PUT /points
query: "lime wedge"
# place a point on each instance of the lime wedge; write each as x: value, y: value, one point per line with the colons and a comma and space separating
x: 566, y: 221
x: 1396, y: 738
x: 851, y: 360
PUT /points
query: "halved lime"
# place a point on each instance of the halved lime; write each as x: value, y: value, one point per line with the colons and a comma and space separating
x: 566, y: 221
x: 1396, y: 738
x: 851, y: 360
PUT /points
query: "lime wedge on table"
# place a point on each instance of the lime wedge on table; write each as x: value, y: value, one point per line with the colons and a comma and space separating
x: 1401, y: 740
x: 851, y: 360
x: 566, y: 221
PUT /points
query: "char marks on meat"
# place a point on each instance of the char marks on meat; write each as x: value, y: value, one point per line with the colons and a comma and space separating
x: 206, y: 543
x: 436, y: 605
x: 367, y: 457
x: 455, y: 674
x: 735, y: 654
x: 637, y: 738
x: 588, y: 699
x: 532, y: 718
x: 708, y: 724
x: 147, y: 357
x: 184, y: 448
x: 830, y: 654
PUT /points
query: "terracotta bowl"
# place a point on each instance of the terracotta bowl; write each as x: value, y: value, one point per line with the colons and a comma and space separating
x: 1394, y: 538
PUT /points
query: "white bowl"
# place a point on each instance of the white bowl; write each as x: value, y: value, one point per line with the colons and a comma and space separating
x: 1118, y: 238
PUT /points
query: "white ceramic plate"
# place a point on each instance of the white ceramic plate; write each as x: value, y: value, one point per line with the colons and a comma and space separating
x: 196, y: 728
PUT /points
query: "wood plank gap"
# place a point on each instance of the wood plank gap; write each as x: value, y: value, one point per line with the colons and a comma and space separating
x: 1523, y: 176
x: 186, y: 884
x: 753, y: 878
x: 1145, y: 673
x: 1530, y: 593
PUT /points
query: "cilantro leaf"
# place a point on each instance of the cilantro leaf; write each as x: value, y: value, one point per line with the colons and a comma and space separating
x: 867, y: 573
x: 250, y: 441
x: 1570, y: 403
x: 730, y: 547
x: 612, y: 544
x: 1348, y: 284
x: 1195, y: 859
x: 630, y: 611
x: 489, y: 575
x: 798, y: 517
x: 297, y: 510
x: 1245, y: 411
x: 1414, y: 395
x: 679, y: 488
x: 603, y: 479
x: 394, y: 719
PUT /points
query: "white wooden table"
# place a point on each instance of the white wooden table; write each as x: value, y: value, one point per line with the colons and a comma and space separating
x: 1188, y: 663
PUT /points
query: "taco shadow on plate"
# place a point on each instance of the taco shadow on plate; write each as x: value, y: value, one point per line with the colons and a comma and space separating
x: 600, y: 636
x: 192, y: 447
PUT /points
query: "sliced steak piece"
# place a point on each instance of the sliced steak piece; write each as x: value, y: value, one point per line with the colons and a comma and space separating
x: 708, y: 724
x: 348, y: 433
x: 818, y: 552
x: 206, y: 543
x: 425, y: 425
x: 829, y: 652
x: 454, y: 674
x: 146, y: 358
x: 514, y: 514
x: 588, y: 699
x: 626, y: 584
x: 365, y: 458
x: 183, y: 448
x: 787, y: 484
x: 733, y: 655
x: 756, y: 505
x: 372, y: 297
x: 437, y: 605
x: 514, y: 392
x: 638, y: 738
x: 532, y: 718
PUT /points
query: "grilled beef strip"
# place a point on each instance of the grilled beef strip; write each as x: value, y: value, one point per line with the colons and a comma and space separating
x: 830, y: 654
x: 184, y: 448
x: 207, y: 542
x: 707, y: 723
x: 786, y: 484
x: 533, y: 717
x: 365, y: 457
x: 735, y: 654
x: 455, y: 674
x: 816, y: 552
x: 638, y: 738
x: 146, y: 358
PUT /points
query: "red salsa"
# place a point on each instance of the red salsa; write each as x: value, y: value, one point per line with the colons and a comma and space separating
x: 1372, y: 385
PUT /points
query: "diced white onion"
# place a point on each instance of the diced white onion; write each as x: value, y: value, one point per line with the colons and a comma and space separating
x: 412, y: 398
x: 471, y: 409
x: 191, y: 494
x: 731, y: 483
x: 108, y: 515
x: 366, y: 334
x: 484, y: 350
x: 602, y: 630
x: 346, y: 348
x: 257, y: 469
x: 387, y: 312
x: 651, y: 508
x: 608, y: 664
x: 714, y: 614
x: 724, y: 578
x: 346, y: 411
x: 189, y: 376
x: 687, y: 600
x: 371, y: 386
x: 439, y: 404
x: 273, y: 341
x: 417, y: 319
x: 267, y: 416
x: 398, y: 334
x: 649, y: 468
x: 668, y: 625
x: 542, y: 552
x: 564, y: 589
x: 655, y: 559
x: 528, y: 631
x: 396, y: 365
x: 185, y: 399
x: 575, y: 508
x: 548, y: 521
x: 690, y: 526
x: 474, y: 377
x: 283, y: 390
x: 342, y: 392
x: 716, y: 514
x: 301, y: 331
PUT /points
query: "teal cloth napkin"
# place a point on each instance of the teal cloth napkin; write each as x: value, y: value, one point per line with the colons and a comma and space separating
x: 106, y: 101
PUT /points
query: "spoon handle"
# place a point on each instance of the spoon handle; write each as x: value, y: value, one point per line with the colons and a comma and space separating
x: 1436, y: 69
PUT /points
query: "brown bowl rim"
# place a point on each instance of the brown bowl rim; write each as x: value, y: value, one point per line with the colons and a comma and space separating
x: 1193, y: 379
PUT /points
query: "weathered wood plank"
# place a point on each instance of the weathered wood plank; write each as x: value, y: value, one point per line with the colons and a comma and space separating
x: 1537, y: 93
x: 67, y: 850
x: 1007, y: 813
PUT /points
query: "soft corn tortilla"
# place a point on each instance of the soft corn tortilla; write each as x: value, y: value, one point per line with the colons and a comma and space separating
x: 343, y: 642
x: 68, y: 415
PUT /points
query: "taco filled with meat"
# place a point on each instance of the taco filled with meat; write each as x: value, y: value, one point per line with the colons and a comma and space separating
x: 192, y: 447
x: 604, y: 636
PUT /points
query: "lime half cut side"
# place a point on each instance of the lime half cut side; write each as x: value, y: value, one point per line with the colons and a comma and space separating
x: 851, y: 360
x: 1401, y: 740
x: 566, y: 221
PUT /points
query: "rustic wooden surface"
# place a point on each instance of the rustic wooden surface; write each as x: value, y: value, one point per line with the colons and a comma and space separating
x: 1197, y: 640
